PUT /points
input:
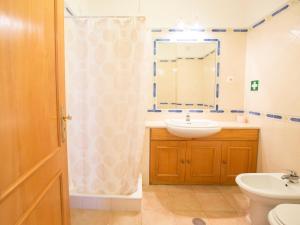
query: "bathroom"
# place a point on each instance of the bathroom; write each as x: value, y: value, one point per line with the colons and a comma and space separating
x: 150, y: 112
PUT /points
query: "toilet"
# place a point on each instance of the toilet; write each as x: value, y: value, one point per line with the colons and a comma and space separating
x: 285, y: 214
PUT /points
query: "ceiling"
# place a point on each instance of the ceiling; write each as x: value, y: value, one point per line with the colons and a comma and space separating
x: 167, y: 13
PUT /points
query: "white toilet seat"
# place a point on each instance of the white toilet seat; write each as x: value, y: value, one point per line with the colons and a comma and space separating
x: 285, y: 214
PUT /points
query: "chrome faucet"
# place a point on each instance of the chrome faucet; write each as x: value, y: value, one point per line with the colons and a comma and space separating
x: 188, y: 117
x: 292, y: 177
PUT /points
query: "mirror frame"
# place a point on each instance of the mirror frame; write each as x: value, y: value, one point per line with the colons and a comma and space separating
x: 154, y: 73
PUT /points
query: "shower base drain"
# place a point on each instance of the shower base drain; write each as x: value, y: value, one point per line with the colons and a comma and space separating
x: 198, y: 221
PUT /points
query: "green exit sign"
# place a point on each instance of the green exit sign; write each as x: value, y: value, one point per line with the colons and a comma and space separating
x: 254, y: 85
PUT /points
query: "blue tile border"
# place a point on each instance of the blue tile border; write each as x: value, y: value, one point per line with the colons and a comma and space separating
x: 175, y: 110
x: 196, y: 111
x: 258, y: 23
x: 217, y: 111
x: 218, y: 30
x: 176, y: 30
x: 295, y: 119
x: 154, y: 90
x: 254, y: 113
x: 273, y: 14
x: 237, y: 111
x: 280, y: 10
x: 241, y: 30
x: 217, y: 90
x: 274, y: 116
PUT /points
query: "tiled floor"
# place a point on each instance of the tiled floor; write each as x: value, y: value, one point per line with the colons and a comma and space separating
x: 176, y: 205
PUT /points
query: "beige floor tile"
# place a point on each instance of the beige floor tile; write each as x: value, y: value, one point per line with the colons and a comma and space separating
x: 186, y: 217
x: 206, y: 189
x: 157, y: 188
x: 151, y: 217
x: 229, y: 188
x: 225, y: 218
x: 184, y: 202
x: 238, y: 201
x: 214, y: 202
x: 177, y: 189
x: 126, y: 218
x: 156, y: 201
x: 89, y: 217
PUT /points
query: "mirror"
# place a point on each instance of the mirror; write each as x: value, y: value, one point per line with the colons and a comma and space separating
x: 185, y: 75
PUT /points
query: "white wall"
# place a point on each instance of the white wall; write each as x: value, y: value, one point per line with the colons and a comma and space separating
x: 166, y: 13
x: 273, y: 53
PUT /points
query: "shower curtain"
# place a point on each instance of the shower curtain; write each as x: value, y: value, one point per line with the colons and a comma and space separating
x: 106, y: 64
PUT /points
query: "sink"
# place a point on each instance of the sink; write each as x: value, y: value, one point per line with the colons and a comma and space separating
x: 192, y: 128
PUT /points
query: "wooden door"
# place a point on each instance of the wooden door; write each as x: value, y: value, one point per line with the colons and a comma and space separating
x: 203, y: 162
x: 237, y: 157
x: 167, y: 162
x: 33, y: 168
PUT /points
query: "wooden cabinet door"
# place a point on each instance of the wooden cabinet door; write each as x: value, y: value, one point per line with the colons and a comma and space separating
x: 237, y: 157
x: 33, y: 168
x: 203, y: 161
x: 167, y: 162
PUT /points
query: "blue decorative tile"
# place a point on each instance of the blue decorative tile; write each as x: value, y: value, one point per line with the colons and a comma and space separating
x: 218, y: 30
x: 240, y: 30
x: 274, y: 116
x: 259, y: 23
x: 176, y: 30
x: 175, y: 110
x: 280, y: 10
x: 217, y: 111
x: 295, y: 119
x: 162, y: 39
x: 217, y: 90
x: 237, y: 111
x: 196, y: 111
x: 153, y: 110
x: 156, y: 30
x: 254, y: 113
x: 154, y: 90
x: 211, y: 39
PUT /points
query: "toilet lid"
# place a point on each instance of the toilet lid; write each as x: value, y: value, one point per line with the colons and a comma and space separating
x: 287, y: 214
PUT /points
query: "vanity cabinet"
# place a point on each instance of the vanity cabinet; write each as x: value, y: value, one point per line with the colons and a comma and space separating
x: 216, y: 159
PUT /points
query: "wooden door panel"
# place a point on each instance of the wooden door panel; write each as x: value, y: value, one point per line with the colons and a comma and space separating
x: 31, y: 96
x: 167, y: 162
x: 203, y: 162
x: 238, y: 157
x: 48, y: 205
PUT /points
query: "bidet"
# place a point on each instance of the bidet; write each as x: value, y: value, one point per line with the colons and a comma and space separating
x: 265, y: 191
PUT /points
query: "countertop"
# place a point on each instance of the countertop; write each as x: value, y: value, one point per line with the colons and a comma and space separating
x: 223, y: 124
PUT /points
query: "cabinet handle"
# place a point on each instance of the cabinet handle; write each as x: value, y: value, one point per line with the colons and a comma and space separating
x: 182, y: 161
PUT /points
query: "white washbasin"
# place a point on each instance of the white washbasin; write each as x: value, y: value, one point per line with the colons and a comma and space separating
x: 193, y: 128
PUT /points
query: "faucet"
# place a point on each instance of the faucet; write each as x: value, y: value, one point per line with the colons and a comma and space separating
x: 188, y: 118
x: 292, y: 177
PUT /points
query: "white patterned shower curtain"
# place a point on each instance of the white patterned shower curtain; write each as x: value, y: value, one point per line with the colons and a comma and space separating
x: 105, y: 72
